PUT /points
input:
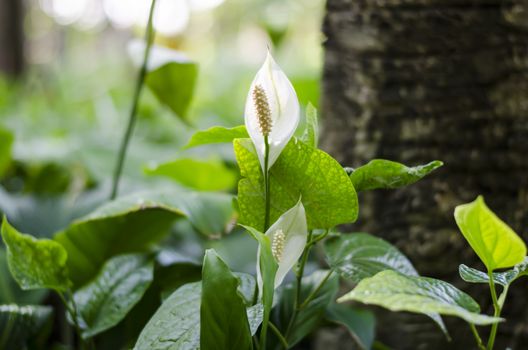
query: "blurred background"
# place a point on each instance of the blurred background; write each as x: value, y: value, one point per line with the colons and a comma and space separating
x: 68, y: 76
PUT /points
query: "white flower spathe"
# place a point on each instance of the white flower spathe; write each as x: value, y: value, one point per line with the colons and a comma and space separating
x: 288, y: 236
x: 272, y: 102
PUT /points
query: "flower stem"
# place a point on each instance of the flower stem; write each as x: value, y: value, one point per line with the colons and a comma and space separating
x: 266, y: 184
x: 300, y: 273
x: 497, y: 308
x: 477, y: 337
x: 149, y: 38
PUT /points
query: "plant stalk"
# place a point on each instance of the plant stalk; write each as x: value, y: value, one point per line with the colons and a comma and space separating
x: 149, y: 38
x: 73, y: 315
x: 265, y: 321
x: 497, y: 308
x: 266, y: 184
x: 316, y: 290
x: 279, y: 335
x: 477, y: 337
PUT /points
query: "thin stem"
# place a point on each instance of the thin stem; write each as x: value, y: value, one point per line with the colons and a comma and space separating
x: 496, y: 306
x: 300, y: 273
x: 316, y: 290
x: 149, y: 37
x: 477, y: 337
x: 266, y: 184
x: 279, y: 335
x: 265, y: 321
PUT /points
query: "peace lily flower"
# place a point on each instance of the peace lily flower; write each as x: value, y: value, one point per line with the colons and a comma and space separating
x: 288, y: 237
x: 272, y: 111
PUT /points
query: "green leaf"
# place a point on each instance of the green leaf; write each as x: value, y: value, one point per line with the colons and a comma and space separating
x: 361, y: 324
x: 133, y: 223
x: 495, y: 243
x: 381, y: 173
x: 311, y: 315
x: 174, y: 270
x: 359, y: 255
x: 311, y: 133
x: 223, y: 320
x: 217, y: 134
x: 176, y: 324
x: 300, y: 172
x: 35, y: 263
x: 211, y: 175
x: 505, y: 278
x: 6, y: 143
x: 106, y: 300
x: 20, y: 324
x: 173, y: 84
x: 398, y: 292
x: 268, y: 267
x: 10, y: 291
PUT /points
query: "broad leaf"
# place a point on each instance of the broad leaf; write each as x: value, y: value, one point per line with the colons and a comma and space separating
x: 505, y: 278
x: 381, y: 173
x: 10, y: 291
x: 398, y: 292
x: 311, y: 133
x: 35, y: 263
x: 223, y: 320
x: 361, y: 324
x: 217, y: 134
x: 20, y: 324
x: 211, y: 175
x: 133, y: 223
x: 173, y: 270
x: 176, y: 324
x: 311, y: 315
x: 300, y: 172
x: 106, y: 300
x: 6, y: 143
x: 173, y: 84
x: 496, y: 244
x: 359, y: 255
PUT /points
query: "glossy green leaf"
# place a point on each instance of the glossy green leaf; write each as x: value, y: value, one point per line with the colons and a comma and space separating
x: 217, y: 134
x: 223, y: 320
x: 20, y: 324
x: 10, y: 291
x: 381, y: 173
x: 106, y: 300
x: 311, y: 133
x: 300, y: 172
x: 311, y: 315
x: 210, y: 175
x: 398, y: 292
x: 173, y: 84
x: 495, y: 243
x: 133, y: 223
x: 505, y: 278
x: 176, y: 324
x: 356, y: 256
x: 35, y: 263
x: 6, y: 143
x: 361, y: 324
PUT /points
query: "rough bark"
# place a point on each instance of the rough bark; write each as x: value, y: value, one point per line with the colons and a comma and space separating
x: 417, y: 80
x: 11, y: 37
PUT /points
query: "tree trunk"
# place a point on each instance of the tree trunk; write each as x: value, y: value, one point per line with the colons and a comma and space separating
x: 11, y: 37
x: 418, y: 80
